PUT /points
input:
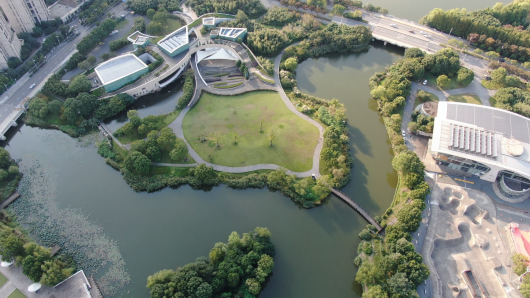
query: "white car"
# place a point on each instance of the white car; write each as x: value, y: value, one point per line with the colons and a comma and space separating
x: 422, y: 32
x: 32, y: 86
x: 425, y: 82
x: 393, y: 25
x: 403, y: 133
x: 427, y: 36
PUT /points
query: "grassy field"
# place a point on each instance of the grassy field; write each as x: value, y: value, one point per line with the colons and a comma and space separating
x: 493, y: 101
x: 121, y: 23
x: 452, y: 85
x: 3, y: 279
x: 491, y: 85
x: 170, y: 26
x: 294, y: 145
x: 432, y: 97
x: 16, y: 294
x: 465, y: 98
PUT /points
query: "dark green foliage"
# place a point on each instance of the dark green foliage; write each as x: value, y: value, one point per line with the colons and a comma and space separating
x: 118, y: 44
x: 138, y: 163
x: 278, y: 16
x: 513, y: 99
x: 445, y: 61
x: 414, y: 53
x: 13, y: 62
x: 465, y: 76
x: 74, y: 60
x: 267, y: 41
x: 97, y: 35
x: 252, y: 8
x: 234, y: 269
x: 141, y: 6
x: 187, y: 89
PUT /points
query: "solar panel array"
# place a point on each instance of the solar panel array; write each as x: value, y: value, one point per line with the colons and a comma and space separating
x: 472, y: 140
x: 176, y: 41
x: 499, y: 121
x: 231, y: 32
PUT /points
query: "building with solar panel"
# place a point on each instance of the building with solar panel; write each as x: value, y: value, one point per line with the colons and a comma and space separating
x: 487, y: 142
x: 231, y: 34
x: 176, y: 42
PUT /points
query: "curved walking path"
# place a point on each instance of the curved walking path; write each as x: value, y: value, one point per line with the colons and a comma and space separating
x: 176, y: 125
x: 475, y: 87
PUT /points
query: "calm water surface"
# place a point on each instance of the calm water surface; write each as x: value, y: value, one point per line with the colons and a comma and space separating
x: 414, y: 10
x: 169, y: 228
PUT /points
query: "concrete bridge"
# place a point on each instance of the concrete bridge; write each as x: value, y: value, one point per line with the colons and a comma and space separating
x: 13, y: 114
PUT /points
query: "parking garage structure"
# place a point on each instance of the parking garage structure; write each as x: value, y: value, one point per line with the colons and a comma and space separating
x: 487, y: 142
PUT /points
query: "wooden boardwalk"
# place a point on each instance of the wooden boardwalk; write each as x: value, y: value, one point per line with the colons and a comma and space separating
x: 9, y: 200
x: 359, y: 209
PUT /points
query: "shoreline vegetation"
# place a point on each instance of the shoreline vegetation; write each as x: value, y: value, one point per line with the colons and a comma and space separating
x: 389, y: 266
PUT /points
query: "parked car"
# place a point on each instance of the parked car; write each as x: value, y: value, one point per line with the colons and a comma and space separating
x: 422, y: 32
x: 393, y: 25
x: 32, y: 86
x: 411, y: 31
x: 403, y: 133
x: 425, y: 82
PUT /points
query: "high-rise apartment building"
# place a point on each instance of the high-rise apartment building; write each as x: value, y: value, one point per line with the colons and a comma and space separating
x: 9, y: 43
x: 23, y: 14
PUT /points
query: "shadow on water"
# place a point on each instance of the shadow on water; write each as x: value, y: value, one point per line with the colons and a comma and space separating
x: 158, y: 103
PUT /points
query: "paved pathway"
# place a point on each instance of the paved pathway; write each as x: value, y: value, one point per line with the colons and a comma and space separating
x: 176, y: 125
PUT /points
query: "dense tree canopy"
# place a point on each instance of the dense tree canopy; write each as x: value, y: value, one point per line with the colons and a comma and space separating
x: 253, y: 8
x: 237, y: 268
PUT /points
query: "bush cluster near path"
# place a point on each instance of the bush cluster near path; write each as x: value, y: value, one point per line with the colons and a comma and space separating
x: 248, y: 129
x: 252, y: 8
x: 238, y: 268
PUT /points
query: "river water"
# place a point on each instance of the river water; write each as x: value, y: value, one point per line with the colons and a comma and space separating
x: 169, y: 228
x: 414, y: 10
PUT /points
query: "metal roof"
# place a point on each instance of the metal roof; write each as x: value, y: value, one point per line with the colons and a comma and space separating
x: 175, y: 40
x: 119, y: 67
x: 480, y: 133
x: 231, y: 32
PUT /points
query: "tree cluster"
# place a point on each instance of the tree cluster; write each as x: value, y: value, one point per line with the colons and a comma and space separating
x: 268, y: 66
x: 36, y: 261
x: 278, y: 16
x: 92, y: 10
x: 499, y: 29
x: 118, y: 44
x: 421, y: 122
x: 141, y: 6
x: 513, y: 99
x: 252, y: 8
x: 96, y: 36
x: 9, y: 175
x: 267, y: 41
x: 187, y: 89
x: 238, y: 268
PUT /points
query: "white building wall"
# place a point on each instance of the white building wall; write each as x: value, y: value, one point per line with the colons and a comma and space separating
x: 24, y: 14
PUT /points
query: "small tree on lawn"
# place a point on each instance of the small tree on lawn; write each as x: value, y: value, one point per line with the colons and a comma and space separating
x: 443, y: 81
x: 261, y: 124
x: 272, y: 135
x: 236, y: 136
x: 215, y: 136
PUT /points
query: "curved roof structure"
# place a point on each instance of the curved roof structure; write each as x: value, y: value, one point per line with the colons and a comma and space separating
x: 215, y: 54
x: 119, y: 67
x: 484, y: 134
x: 175, y: 40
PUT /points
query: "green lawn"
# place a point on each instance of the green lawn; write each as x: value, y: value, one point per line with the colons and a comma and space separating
x: 452, y: 85
x: 16, y: 294
x: 3, y: 279
x: 492, y: 85
x: 294, y: 145
x: 465, y: 98
x: 121, y: 23
x: 493, y: 101
x: 432, y: 97
x: 170, y: 26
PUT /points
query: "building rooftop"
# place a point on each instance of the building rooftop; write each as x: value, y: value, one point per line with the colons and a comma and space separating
x: 484, y: 134
x: 119, y: 67
x: 208, y: 21
x: 141, y: 40
x: 175, y: 40
x: 231, y: 32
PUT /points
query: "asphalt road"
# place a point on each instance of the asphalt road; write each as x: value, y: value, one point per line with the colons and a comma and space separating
x: 19, y: 91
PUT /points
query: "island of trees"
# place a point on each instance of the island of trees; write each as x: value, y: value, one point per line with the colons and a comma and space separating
x: 236, y: 269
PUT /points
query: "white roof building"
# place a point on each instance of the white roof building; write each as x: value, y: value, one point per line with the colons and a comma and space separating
x: 491, y: 143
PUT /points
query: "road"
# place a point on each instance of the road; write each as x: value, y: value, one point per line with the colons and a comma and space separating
x: 16, y: 94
